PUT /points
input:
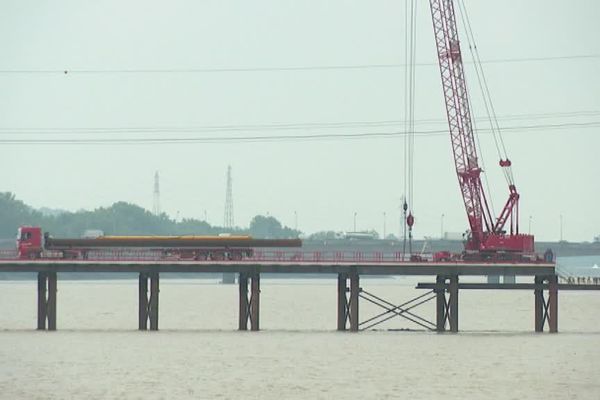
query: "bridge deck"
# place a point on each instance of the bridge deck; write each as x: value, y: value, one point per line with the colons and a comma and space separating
x: 296, y: 267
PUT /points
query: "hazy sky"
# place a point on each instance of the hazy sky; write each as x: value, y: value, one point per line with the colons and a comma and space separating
x: 326, y: 181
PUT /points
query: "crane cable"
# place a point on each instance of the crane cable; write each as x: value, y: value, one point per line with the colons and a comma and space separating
x: 404, y: 205
x: 411, y: 133
x: 487, y: 98
x: 409, y: 110
x: 488, y: 218
x: 485, y: 176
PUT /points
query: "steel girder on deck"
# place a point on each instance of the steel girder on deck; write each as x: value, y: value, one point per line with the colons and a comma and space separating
x: 321, y: 267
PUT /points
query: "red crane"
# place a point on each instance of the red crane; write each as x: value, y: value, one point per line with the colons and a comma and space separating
x: 488, y: 237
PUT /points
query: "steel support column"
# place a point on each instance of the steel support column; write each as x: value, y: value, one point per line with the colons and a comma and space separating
x: 143, y: 302
x: 148, y: 304
x: 153, y: 301
x: 46, y: 309
x: 546, y: 310
x: 441, y: 306
x: 243, y: 288
x: 446, y: 308
x: 342, y: 302
x: 453, y: 303
x: 249, y: 306
x: 539, y: 305
x: 42, y: 301
x: 354, y: 291
x: 553, y: 303
x: 51, y: 307
x: 255, y: 302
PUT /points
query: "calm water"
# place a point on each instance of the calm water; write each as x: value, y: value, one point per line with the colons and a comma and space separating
x: 97, y: 352
x: 587, y: 266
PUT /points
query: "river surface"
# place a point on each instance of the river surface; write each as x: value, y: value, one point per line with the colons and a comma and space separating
x: 583, y: 266
x: 97, y: 352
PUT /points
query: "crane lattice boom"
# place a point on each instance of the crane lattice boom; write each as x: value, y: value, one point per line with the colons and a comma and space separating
x: 487, y: 234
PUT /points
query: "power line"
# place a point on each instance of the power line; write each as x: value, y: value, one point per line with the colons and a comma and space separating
x: 280, y: 138
x: 66, y: 71
x: 272, y: 126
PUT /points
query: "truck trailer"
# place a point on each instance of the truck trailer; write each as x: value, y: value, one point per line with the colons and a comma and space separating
x: 33, y: 244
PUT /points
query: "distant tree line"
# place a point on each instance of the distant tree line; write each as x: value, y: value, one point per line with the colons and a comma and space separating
x: 123, y: 218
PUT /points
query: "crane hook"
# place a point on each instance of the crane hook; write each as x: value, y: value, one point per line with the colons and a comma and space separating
x: 410, y: 220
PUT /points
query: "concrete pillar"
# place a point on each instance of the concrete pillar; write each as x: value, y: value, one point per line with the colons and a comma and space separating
x: 342, y: 302
x: 354, y: 291
x: 553, y: 303
x: 143, y: 301
x: 255, y: 302
x: 440, y: 304
x: 51, y: 307
x: 42, y: 302
x: 453, y: 300
x: 243, y: 289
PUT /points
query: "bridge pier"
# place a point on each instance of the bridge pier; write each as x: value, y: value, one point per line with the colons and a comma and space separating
x: 143, y: 302
x: 553, y: 303
x: 342, y: 301
x: 249, y: 306
x: 148, y: 305
x: 446, y: 308
x: 46, y: 310
x: 453, y: 300
x: 546, y: 310
x: 441, y: 305
x: 353, y: 306
x: 347, y: 308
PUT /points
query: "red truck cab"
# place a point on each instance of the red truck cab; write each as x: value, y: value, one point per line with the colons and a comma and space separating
x: 29, y: 242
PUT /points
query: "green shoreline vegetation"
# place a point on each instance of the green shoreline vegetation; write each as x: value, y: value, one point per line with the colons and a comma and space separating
x: 123, y: 218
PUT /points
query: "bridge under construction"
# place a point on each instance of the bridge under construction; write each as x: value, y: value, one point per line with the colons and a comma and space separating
x: 444, y: 288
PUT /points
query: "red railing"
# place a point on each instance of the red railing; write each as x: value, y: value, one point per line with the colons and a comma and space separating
x: 8, y: 254
x: 258, y: 256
